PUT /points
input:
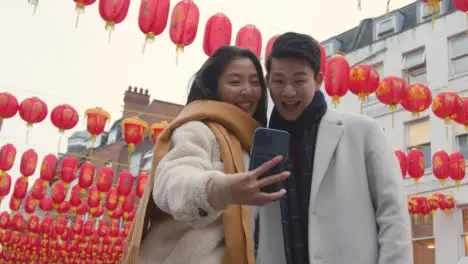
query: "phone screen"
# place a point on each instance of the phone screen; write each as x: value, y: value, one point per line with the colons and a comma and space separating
x: 269, y: 143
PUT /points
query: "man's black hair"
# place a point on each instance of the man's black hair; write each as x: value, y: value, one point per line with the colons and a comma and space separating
x: 297, y: 46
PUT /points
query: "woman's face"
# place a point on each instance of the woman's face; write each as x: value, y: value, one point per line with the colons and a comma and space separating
x: 239, y: 85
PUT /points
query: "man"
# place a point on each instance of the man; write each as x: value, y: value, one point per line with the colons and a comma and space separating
x: 344, y: 202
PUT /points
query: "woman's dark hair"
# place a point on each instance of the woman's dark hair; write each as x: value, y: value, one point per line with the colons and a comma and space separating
x: 205, y: 83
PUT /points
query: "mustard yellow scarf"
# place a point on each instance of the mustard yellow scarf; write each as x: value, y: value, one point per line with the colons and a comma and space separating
x: 234, y: 131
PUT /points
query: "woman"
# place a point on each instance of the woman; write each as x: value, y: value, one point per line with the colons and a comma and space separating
x: 195, y: 202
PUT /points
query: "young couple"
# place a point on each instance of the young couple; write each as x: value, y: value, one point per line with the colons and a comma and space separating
x: 342, y: 199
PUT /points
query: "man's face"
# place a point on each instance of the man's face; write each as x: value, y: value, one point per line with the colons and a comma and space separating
x: 292, y: 86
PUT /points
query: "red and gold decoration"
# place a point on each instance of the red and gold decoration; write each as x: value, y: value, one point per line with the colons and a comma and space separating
x: 49, y: 168
x: 391, y: 91
x: 249, y: 37
x: 441, y: 165
x: 28, y: 163
x: 184, y: 25
x: 401, y: 156
x: 157, y: 129
x: 86, y: 177
x: 7, y: 158
x: 134, y: 131
x: 218, y: 33
x: 124, y: 185
x: 8, y: 106
x: 32, y: 110
x: 113, y: 12
x: 64, y: 117
x: 447, y: 106
x: 337, y: 78
x: 457, y: 167
x: 96, y: 120
x: 462, y: 116
x: 80, y: 8
x: 104, y: 180
x: 418, y: 98
x: 416, y: 164
x: 5, y: 185
x: 68, y: 170
x: 141, y: 184
x: 434, y: 8
x: 152, y: 19
x: 363, y: 81
x: 269, y: 46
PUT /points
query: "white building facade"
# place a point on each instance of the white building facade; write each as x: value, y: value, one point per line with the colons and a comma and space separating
x: 405, y: 44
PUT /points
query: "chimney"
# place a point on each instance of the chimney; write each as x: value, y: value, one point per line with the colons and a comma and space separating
x: 135, y: 101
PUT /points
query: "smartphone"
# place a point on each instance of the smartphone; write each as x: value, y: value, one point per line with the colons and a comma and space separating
x: 267, y: 144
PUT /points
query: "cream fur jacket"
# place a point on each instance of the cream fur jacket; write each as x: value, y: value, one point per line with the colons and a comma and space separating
x: 195, y: 233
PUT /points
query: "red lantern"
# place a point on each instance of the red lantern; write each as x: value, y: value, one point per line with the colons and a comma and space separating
x: 461, y: 5
x: 391, y: 91
x: 46, y: 225
x: 58, y: 193
x: 33, y: 224
x: 15, y: 203
x: 447, y: 106
x: 5, y: 185
x: 401, y: 156
x: 457, y: 167
x: 75, y: 196
x: 18, y: 223
x: 462, y: 117
x: 141, y: 184
x: 115, y: 214
x: 7, y: 157
x: 8, y: 106
x: 80, y: 7
x: 4, y: 220
x: 49, y: 168
x: 129, y: 216
x: 417, y: 99
x: 114, y: 230
x: 69, y: 169
x: 269, y: 47
x: 128, y: 204
x: 21, y: 187
x: 113, y: 12
x: 86, y: 177
x: 134, y: 130
x: 157, y: 129
x: 39, y: 189
x: 434, y: 8
x: 104, y: 180
x: 64, y: 117
x: 124, y: 185
x: 323, y: 60
x: 33, y: 110
x: 60, y: 226
x: 96, y: 119
x: 218, y: 31
x: 450, y: 202
x: 46, y: 204
x: 184, y: 24
x: 441, y: 165
x: 416, y: 164
x: 103, y: 229
x: 112, y: 199
x: 30, y: 204
x: 93, y: 198
x: 77, y: 227
x: 64, y: 207
x: 82, y: 209
x: 97, y: 212
x: 337, y: 78
x: 153, y: 17
x: 424, y: 208
x: 28, y: 163
x: 363, y: 81
x: 249, y: 37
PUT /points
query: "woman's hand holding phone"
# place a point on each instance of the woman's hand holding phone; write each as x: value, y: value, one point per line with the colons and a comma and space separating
x: 245, y: 186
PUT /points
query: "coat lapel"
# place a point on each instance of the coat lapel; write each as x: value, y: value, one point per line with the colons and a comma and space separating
x: 329, y: 134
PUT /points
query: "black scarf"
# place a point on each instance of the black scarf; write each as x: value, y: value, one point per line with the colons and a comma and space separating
x: 295, y: 204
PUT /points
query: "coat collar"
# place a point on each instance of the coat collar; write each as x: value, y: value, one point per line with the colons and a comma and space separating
x: 329, y: 134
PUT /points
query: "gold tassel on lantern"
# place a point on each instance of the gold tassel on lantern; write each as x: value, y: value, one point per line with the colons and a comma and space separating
x: 434, y: 9
x: 393, y: 108
x: 179, y: 48
x: 447, y: 122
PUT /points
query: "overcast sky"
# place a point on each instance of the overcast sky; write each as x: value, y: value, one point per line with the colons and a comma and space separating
x: 45, y: 56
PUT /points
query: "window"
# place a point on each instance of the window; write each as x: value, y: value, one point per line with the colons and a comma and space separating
x: 462, y: 140
x: 418, y: 136
x: 135, y: 161
x: 458, y: 54
x: 414, y: 66
x: 465, y: 230
x: 422, y: 230
x: 97, y: 142
x: 426, y: 15
x: 112, y: 137
x: 328, y: 50
x: 385, y: 27
x: 380, y: 69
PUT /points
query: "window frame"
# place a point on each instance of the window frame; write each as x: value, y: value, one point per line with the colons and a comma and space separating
x: 462, y: 246
x: 459, y: 135
x: 112, y: 138
x: 383, y: 34
x: 427, y: 16
x: 423, y: 238
x: 408, y: 146
x: 131, y: 167
x: 453, y: 58
x: 418, y: 69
